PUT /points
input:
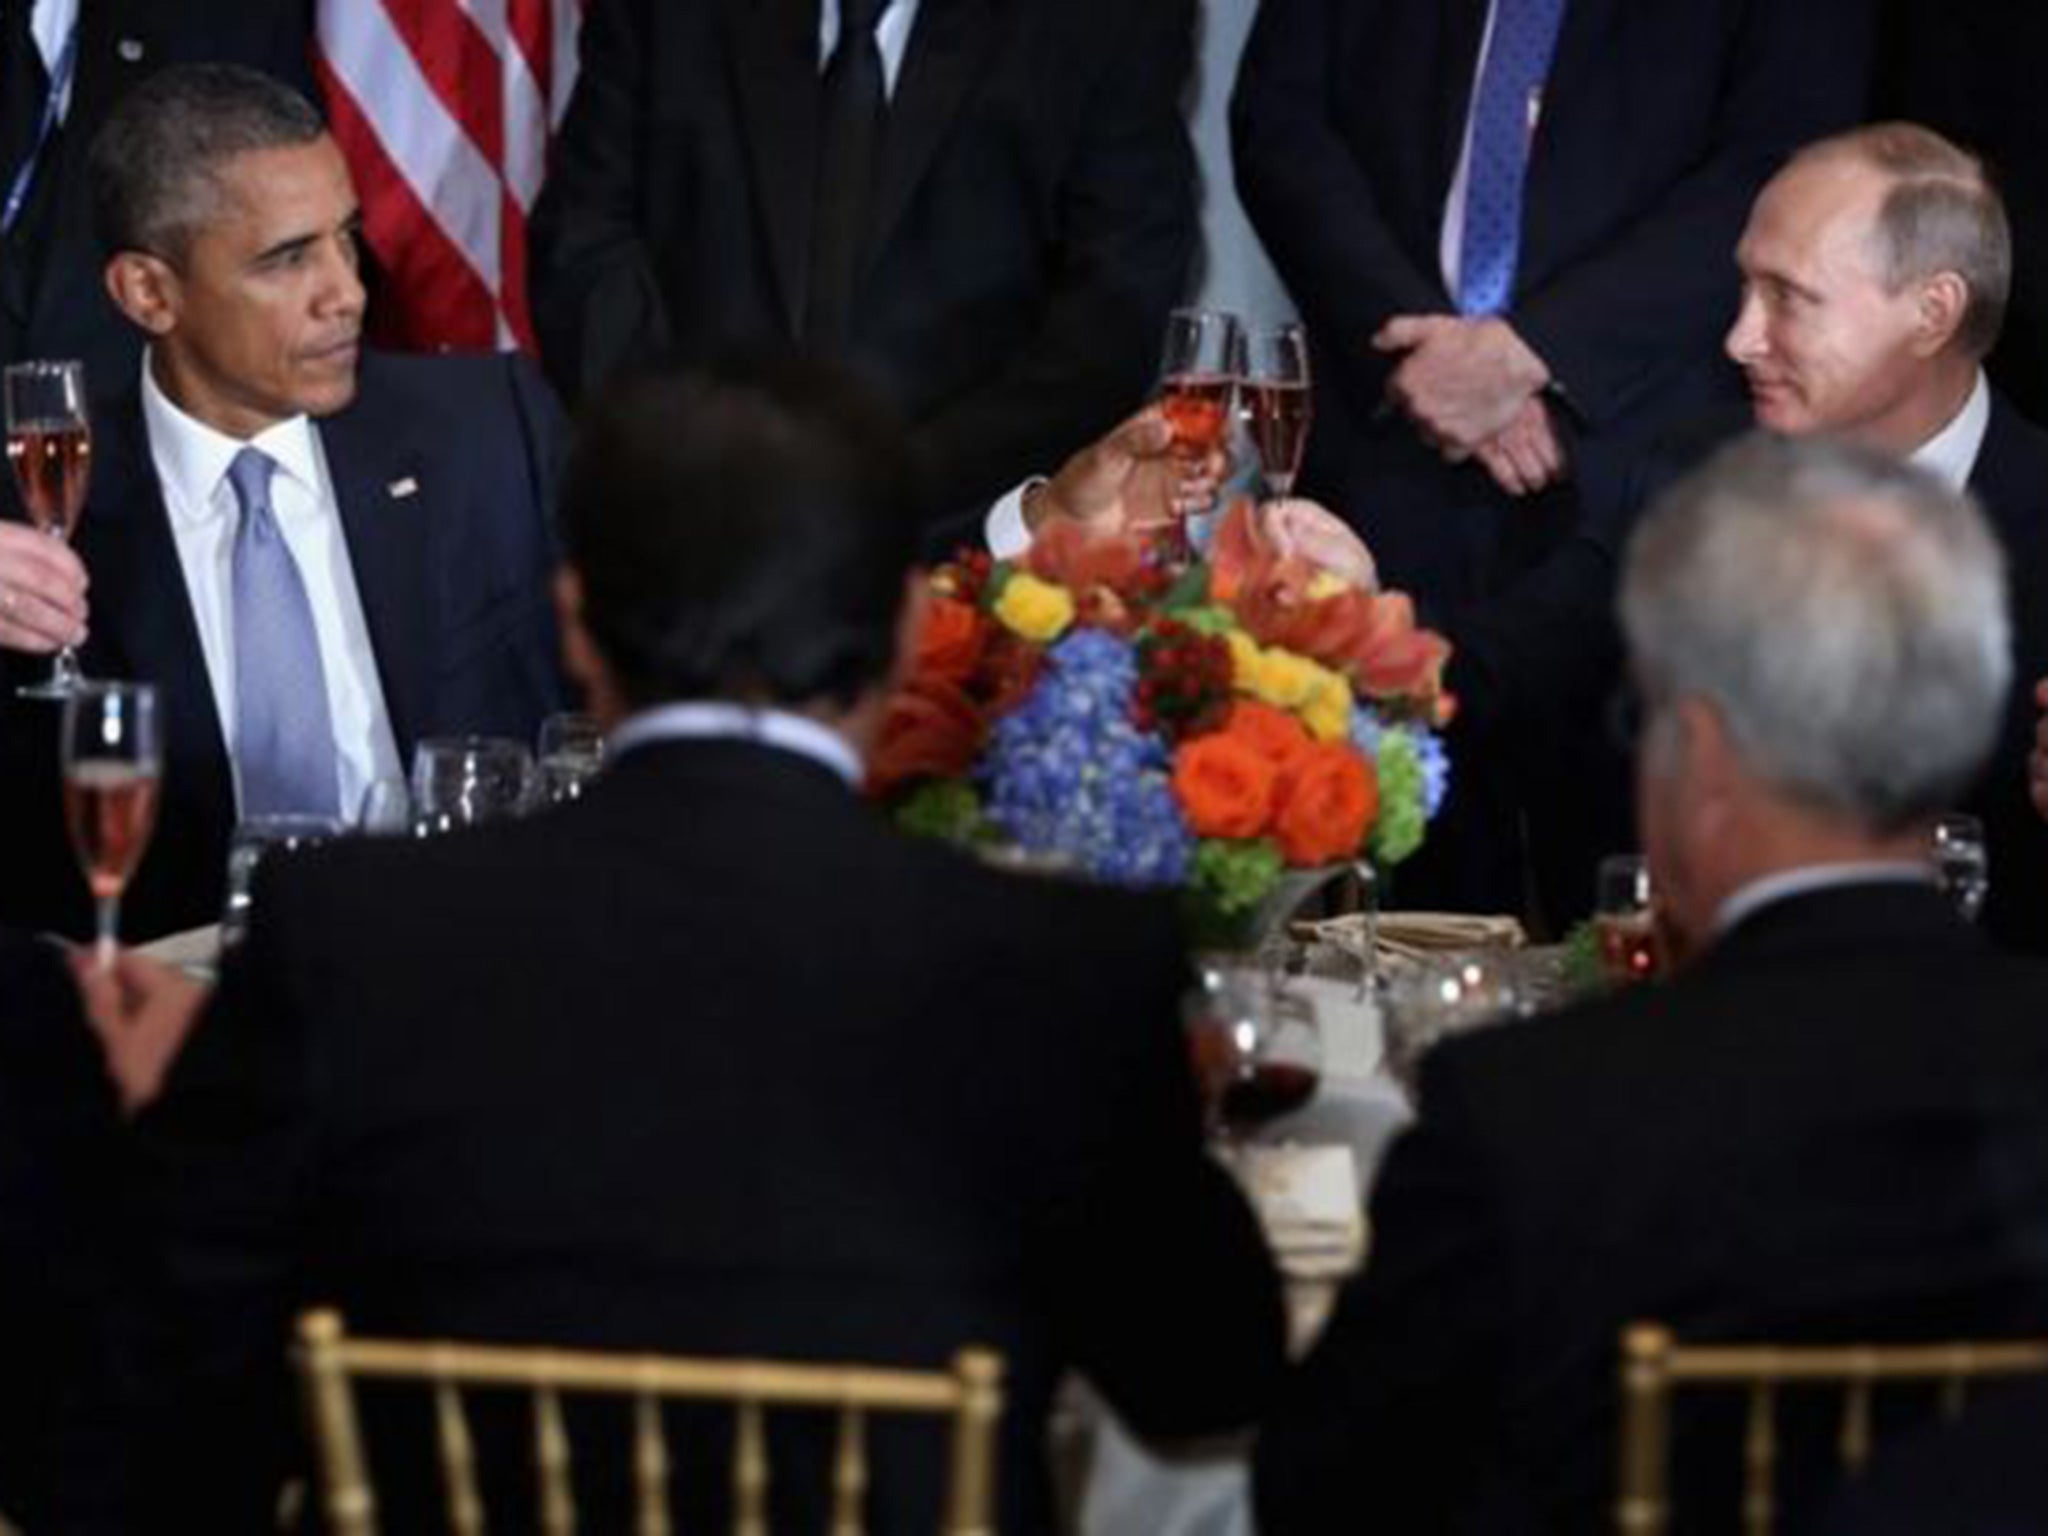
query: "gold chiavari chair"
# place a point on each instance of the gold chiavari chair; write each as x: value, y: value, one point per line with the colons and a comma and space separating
x: 329, y: 1364
x: 1654, y: 1365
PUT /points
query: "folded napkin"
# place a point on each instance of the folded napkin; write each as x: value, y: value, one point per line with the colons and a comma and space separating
x: 1308, y: 1201
x: 1416, y: 935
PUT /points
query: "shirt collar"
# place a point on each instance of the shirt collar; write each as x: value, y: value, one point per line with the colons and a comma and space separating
x: 195, y: 456
x: 776, y: 728
x: 1752, y: 898
x: 1951, y: 454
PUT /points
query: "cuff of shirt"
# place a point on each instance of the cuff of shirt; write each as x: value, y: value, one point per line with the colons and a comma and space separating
x: 1004, y: 529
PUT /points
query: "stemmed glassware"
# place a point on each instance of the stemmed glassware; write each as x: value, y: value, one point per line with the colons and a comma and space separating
x: 112, y: 759
x: 1198, y: 375
x: 460, y: 781
x: 1276, y: 388
x: 1255, y: 1046
x: 1962, y: 868
x: 571, y: 755
x: 1624, y: 917
x: 49, y: 445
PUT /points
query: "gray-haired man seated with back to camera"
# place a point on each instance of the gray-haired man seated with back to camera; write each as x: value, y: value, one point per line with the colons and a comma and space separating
x: 1837, y: 1115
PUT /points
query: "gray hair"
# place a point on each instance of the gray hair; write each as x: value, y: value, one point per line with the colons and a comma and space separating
x: 155, y: 164
x: 1942, y: 213
x: 1844, y: 613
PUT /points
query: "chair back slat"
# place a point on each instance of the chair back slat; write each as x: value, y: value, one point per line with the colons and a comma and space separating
x: 650, y: 1467
x: 850, y: 1474
x: 750, y: 1473
x: 465, y: 1501
x: 1760, y: 1461
x: 1654, y: 1366
x: 969, y: 1396
x: 551, y: 1465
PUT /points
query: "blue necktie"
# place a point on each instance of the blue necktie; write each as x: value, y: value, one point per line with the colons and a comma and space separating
x: 1517, y: 60
x: 284, y: 733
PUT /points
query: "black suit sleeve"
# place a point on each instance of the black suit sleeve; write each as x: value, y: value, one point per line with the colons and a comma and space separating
x: 225, y: 1158
x: 1384, y: 1408
x: 1126, y: 231
x: 1315, y: 208
x: 597, y: 301
x: 1163, y: 1283
x: 1611, y: 325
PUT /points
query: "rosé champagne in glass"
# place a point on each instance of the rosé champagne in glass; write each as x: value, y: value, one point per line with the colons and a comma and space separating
x: 49, y: 447
x: 112, y: 761
x: 1198, y: 378
x: 1276, y: 390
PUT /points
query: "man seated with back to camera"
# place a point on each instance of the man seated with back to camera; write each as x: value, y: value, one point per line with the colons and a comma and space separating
x: 712, y: 1060
x: 1833, y: 1121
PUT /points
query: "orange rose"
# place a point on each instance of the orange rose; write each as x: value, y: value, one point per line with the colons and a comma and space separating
x: 931, y: 731
x: 1224, y: 785
x: 1327, y: 805
x: 1271, y: 732
x: 949, y: 640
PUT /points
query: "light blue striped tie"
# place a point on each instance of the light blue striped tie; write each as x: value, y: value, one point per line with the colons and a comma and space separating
x: 1503, y: 121
x: 284, y: 732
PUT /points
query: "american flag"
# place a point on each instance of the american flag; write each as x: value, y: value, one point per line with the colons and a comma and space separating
x: 444, y: 109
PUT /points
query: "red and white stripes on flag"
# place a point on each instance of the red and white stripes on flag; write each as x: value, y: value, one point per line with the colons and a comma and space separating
x: 444, y: 109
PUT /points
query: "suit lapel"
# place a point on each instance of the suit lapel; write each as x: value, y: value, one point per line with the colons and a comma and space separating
x: 387, y: 498
x: 1585, y: 41
x: 774, y: 59
x: 947, y: 46
x: 140, y: 607
x: 1464, y: 29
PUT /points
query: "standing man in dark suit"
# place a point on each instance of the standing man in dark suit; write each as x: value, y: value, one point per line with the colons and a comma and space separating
x: 1503, y: 221
x: 962, y: 1113
x: 1836, y: 1117
x: 408, y: 595
x: 64, y: 65
x: 985, y: 207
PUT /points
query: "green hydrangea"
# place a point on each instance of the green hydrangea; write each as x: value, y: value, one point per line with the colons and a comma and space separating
x: 947, y: 808
x: 1397, y: 831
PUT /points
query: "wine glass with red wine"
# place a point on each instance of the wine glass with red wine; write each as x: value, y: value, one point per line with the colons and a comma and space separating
x: 1198, y: 386
x: 49, y: 444
x: 1255, y: 1046
x: 1624, y: 918
x: 112, y: 757
x: 1276, y: 387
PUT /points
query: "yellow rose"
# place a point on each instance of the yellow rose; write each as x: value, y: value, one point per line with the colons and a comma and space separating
x: 1283, y: 678
x: 1244, y: 659
x: 1034, y: 609
x: 1327, y: 714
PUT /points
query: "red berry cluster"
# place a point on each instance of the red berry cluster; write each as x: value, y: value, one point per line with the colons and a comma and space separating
x: 969, y: 574
x: 1183, y: 680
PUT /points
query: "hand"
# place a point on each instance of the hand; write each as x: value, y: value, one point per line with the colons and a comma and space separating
x: 1130, y: 481
x: 1526, y: 456
x: 2037, y: 760
x: 141, y: 1010
x: 42, y: 591
x: 1315, y: 533
x: 1462, y: 381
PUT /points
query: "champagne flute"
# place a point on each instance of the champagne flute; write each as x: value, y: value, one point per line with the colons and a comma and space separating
x: 1198, y: 384
x: 1624, y: 917
x: 112, y: 757
x: 49, y: 444
x: 1276, y: 386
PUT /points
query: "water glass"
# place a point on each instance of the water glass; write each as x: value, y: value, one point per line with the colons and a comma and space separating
x: 255, y: 839
x: 1255, y: 1046
x: 1962, y: 867
x: 464, y: 781
x: 571, y: 756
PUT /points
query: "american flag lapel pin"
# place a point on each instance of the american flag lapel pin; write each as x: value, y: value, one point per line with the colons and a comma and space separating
x: 401, y: 488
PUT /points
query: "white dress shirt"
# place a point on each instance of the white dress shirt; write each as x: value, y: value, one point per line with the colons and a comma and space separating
x: 778, y: 728
x: 191, y: 462
x: 1951, y: 454
x: 51, y: 23
x: 892, y: 36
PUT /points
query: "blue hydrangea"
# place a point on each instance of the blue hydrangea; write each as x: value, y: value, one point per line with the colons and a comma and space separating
x: 1366, y: 729
x: 1067, y: 773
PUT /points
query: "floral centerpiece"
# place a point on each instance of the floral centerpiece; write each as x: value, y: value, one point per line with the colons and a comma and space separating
x: 1206, y: 726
